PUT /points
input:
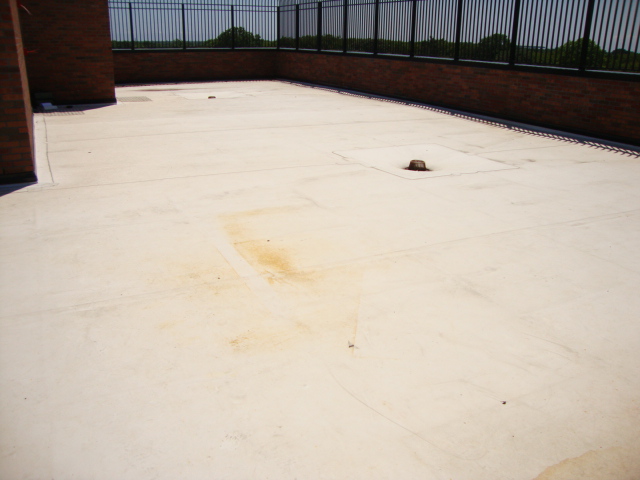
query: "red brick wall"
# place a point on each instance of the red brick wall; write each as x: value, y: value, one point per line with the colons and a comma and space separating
x: 69, y: 49
x: 603, y: 108
x: 135, y: 67
x: 16, y: 119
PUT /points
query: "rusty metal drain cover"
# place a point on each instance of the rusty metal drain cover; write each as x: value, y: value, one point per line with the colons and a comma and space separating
x: 418, y: 166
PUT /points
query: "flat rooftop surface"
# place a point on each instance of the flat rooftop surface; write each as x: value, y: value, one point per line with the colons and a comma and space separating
x: 252, y: 286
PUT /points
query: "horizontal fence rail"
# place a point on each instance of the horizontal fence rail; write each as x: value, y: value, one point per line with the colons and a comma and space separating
x: 580, y: 35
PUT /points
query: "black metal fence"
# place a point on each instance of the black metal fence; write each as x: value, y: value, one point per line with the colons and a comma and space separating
x: 192, y: 25
x: 569, y: 34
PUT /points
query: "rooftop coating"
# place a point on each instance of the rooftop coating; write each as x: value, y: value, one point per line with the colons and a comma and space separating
x: 252, y: 286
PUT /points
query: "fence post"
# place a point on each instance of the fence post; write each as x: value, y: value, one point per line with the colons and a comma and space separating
x: 184, y: 30
x: 456, y: 55
x: 414, y: 14
x: 587, y: 35
x: 319, y: 27
x: 375, y: 27
x: 297, y: 26
x: 514, y: 32
x: 233, y: 29
x: 278, y: 27
x: 345, y: 25
x: 133, y: 43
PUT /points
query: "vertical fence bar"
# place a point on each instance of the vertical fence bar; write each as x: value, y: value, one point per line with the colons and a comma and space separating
x: 604, y: 29
x: 145, y: 25
x: 547, y: 13
x: 297, y: 26
x: 631, y: 48
x: 184, y: 30
x: 616, y: 44
x: 414, y: 15
x: 345, y: 25
x: 233, y: 29
x: 376, y: 21
x: 278, y: 13
x: 456, y: 55
x: 133, y: 43
x: 514, y: 32
x: 319, y: 27
x: 587, y: 35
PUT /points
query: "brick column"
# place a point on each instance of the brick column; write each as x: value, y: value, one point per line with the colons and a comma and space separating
x: 68, y: 46
x: 16, y: 119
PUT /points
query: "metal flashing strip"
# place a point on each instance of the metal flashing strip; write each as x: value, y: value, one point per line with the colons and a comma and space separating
x: 62, y: 112
x: 133, y: 99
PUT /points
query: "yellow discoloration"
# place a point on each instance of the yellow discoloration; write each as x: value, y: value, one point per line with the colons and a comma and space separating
x: 261, y: 339
x: 319, y: 304
x: 611, y: 463
x: 262, y: 254
x: 249, y: 224
x: 166, y: 325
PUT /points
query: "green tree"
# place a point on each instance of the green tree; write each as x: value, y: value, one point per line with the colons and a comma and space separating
x: 435, y: 48
x: 569, y: 54
x: 494, y: 48
x: 238, y: 36
x: 331, y: 42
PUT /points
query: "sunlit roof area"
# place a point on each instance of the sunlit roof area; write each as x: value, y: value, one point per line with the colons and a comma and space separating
x: 242, y: 280
x: 296, y: 239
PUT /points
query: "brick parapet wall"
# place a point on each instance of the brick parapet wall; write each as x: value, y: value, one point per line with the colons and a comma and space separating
x: 140, y: 66
x: 68, y: 46
x: 16, y: 119
x: 599, y: 107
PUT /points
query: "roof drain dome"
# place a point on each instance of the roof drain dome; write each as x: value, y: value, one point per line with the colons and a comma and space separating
x: 417, y: 165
